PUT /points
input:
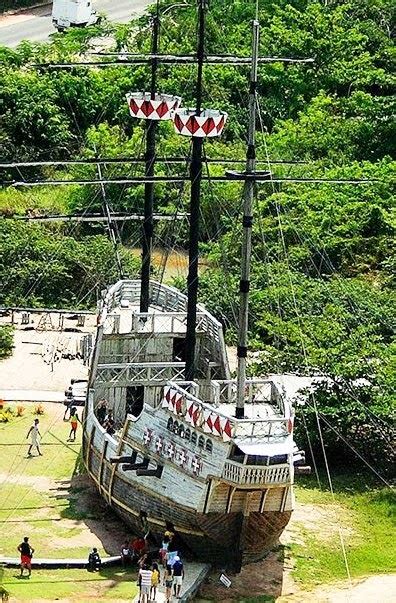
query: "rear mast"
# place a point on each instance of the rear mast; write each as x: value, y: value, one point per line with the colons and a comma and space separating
x: 247, y: 223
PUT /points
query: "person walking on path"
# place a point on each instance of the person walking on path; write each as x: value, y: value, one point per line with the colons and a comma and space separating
x: 145, y: 584
x: 168, y: 582
x: 155, y: 579
x: 26, y: 552
x: 74, y: 420
x: 178, y: 575
x: 35, y: 436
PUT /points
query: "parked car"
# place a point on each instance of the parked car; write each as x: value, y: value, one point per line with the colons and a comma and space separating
x: 76, y: 392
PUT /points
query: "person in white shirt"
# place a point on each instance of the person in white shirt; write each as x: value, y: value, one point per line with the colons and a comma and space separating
x: 35, y: 436
x: 145, y: 583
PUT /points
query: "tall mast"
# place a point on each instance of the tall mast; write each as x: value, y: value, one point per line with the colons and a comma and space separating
x: 247, y: 222
x: 147, y: 226
x: 196, y: 177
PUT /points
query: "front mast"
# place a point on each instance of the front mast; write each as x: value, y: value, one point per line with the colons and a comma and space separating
x: 247, y: 222
x: 147, y: 226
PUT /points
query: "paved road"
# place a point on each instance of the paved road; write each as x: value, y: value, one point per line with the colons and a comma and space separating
x: 36, y: 25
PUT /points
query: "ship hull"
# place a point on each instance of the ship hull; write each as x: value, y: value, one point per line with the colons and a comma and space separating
x: 227, y: 539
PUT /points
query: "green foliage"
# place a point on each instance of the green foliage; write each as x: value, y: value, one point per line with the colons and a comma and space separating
x: 13, y: 4
x: 6, y: 341
x: 40, y: 267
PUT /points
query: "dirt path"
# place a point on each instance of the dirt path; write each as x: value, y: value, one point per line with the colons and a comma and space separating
x: 375, y: 589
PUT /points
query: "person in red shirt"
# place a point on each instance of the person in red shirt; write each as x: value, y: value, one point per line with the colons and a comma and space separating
x: 26, y: 552
x: 138, y: 546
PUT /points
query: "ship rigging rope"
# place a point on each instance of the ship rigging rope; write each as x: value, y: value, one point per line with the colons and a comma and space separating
x: 330, y: 481
x: 170, y: 233
x: 323, y: 254
x: 217, y: 237
x: 365, y: 461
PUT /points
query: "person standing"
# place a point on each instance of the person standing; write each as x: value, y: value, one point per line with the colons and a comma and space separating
x: 145, y: 584
x: 125, y: 554
x: 155, y: 579
x: 168, y: 582
x: 102, y: 411
x: 74, y: 420
x: 35, y: 436
x: 178, y: 575
x: 164, y: 550
x: 26, y: 552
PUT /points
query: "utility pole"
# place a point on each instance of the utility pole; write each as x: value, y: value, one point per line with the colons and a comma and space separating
x: 196, y: 178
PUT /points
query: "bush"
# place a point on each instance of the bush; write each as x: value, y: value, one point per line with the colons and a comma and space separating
x: 38, y: 409
x: 14, y: 4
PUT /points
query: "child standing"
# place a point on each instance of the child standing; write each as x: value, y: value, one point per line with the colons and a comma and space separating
x: 74, y: 420
x: 155, y: 578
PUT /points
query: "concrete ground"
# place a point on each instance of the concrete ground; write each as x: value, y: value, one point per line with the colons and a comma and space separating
x: 40, y: 359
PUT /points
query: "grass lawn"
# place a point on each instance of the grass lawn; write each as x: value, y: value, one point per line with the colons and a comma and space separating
x: 366, y: 514
x: 36, y: 498
x: 74, y: 584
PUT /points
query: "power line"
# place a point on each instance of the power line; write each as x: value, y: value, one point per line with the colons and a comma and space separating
x: 133, y: 160
x: 260, y: 178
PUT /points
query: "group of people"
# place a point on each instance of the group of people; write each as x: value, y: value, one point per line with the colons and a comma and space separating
x: 150, y: 578
x: 105, y: 417
x: 150, y: 574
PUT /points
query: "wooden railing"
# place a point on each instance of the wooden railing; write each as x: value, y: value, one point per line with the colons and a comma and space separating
x: 255, y: 475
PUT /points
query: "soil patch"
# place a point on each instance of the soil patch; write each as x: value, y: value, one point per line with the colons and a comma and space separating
x: 323, y: 520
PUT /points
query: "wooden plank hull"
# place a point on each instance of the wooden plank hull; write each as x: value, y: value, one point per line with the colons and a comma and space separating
x: 227, y: 539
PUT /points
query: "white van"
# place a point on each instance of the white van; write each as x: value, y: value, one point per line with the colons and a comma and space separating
x: 73, y: 13
x: 76, y: 393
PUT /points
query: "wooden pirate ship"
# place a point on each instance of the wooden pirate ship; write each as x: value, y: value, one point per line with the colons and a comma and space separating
x: 207, y: 456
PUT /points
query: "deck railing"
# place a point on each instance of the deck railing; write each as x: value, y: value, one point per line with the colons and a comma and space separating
x: 149, y: 372
x: 251, y: 474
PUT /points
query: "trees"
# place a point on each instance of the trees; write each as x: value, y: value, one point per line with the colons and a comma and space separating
x: 53, y: 268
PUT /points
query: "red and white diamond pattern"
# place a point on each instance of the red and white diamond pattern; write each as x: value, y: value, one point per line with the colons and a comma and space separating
x: 141, y: 105
x: 173, y: 400
x: 206, y: 125
x: 197, y: 415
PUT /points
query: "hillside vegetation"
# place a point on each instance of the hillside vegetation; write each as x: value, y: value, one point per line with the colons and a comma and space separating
x: 323, y: 267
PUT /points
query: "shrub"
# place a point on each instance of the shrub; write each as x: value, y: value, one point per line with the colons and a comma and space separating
x: 20, y: 410
x: 38, y: 409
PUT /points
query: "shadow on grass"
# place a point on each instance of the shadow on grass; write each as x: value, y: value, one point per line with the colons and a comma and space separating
x: 83, y: 503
